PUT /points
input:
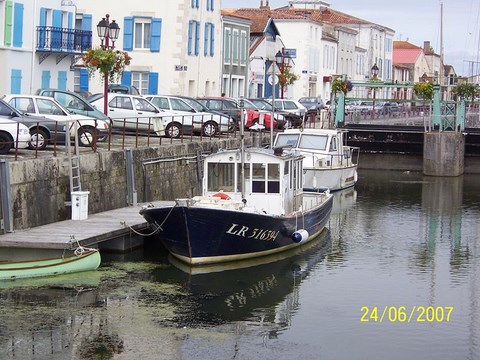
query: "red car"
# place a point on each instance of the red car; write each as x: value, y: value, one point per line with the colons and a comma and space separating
x: 231, y: 107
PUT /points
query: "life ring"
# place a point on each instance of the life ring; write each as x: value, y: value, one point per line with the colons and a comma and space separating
x: 222, y: 196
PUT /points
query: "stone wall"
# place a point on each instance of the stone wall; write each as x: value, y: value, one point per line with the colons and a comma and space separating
x: 40, y: 188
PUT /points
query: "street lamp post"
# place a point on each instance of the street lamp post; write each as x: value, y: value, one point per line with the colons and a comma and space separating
x: 374, y: 70
x: 283, y: 62
x: 107, y: 31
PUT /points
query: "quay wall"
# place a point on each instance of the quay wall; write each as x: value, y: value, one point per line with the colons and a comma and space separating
x: 40, y: 187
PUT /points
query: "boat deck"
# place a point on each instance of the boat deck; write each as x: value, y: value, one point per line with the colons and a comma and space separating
x: 65, y: 234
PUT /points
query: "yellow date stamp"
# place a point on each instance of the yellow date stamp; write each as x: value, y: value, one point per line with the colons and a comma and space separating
x: 404, y: 314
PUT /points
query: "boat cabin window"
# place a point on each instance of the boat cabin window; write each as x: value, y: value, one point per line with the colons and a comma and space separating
x: 286, y: 140
x: 333, y: 144
x: 313, y: 142
x: 221, y: 176
x: 266, y: 178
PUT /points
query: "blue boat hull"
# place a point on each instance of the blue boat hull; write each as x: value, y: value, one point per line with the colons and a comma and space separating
x: 202, y: 235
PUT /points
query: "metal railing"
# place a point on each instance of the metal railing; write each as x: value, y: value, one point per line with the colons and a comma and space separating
x: 57, y: 39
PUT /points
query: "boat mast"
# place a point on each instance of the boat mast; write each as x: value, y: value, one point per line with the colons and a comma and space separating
x: 242, y: 148
x: 441, y: 51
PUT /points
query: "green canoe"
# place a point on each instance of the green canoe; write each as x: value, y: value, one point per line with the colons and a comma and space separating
x: 82, y: 259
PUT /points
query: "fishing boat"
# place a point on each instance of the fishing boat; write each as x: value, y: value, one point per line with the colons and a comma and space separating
x: 82, y: 259
x: 252, y: 204
x: 328, y: 162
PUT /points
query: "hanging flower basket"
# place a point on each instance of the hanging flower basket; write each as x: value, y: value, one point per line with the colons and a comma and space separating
x: 107, y: 61
x: 340, y: 85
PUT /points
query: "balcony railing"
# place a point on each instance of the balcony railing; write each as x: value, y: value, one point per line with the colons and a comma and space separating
x: 63, y: 40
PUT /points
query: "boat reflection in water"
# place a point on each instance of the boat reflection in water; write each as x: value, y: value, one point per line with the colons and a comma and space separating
x: 249, y: 289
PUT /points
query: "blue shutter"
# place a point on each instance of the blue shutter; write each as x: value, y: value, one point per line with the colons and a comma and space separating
x: 83, y: 79
x: 192, y: 3
x: 128, y: 33
x: 56, y: 30
x: 127, y: 78
x: 212, y: 39
x: 190, y: 30
x: 197, y: 5
x: 16, y: 81
x: 205, y: 39
x: 156, y: 35
x: 18, y: 25
x: 208, y: 5
x: 87, y: 22
x: 62, y: 80
x: 45, y: 79
x: 41, y: 34
x: 211, y: 5
x: 70, y: 31
x: 153, y: 83
x: 197, y: 37
x: 86, y: 26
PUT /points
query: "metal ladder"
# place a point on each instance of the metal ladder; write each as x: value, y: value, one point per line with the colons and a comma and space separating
x: 74, y: 162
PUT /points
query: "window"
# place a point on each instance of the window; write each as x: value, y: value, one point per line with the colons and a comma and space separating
x: 243, y: 48
x: 235, y: 47
x: 273, y: 178
x: 193, y: 37
x: 142, y: 34
x: 258, y: 178
x: 120, y: 102
x: 226, y: 46
x: 209, y: 39
x: 48, y: 107
x: 221, y: 176
x: 140, y: 81
x: 24, y: 105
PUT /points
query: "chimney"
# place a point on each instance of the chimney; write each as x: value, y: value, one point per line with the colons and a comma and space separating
x: 426, y: 46
x: 261, y: 4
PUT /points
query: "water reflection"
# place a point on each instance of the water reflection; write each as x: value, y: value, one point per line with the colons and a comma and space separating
x: 247, y: 290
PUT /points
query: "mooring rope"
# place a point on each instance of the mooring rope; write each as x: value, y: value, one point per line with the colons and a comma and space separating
x: 159, y: 227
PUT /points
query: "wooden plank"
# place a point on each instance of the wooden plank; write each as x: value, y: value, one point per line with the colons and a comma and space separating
x: 96, y: 228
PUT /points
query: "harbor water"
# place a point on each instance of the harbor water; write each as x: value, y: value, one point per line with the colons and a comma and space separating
x: 395, y: 276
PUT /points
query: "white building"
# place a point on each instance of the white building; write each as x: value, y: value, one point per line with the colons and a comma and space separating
x: 175, y: 45
x: 38, y: 45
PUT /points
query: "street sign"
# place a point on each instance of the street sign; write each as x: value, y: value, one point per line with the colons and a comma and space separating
x: 270, y: 79
x: 290, y: 52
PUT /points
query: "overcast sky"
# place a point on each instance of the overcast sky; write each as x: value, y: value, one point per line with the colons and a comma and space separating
x: 416, y: 21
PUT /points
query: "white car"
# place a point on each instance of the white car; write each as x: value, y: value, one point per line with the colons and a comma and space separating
x: 206, y: 123
x: 289, y: 106
x: 8, y: 135
x: 89, y: 129
x: 133, y: 112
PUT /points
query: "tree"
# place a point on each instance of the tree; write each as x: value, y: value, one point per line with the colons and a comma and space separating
x: 423, y: 90
x: 467, y: 91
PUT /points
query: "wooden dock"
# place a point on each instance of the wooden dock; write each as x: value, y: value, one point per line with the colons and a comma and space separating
x: 91, y: 231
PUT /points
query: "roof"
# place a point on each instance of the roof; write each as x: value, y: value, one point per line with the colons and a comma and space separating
x: 405, y: 52
x: 406, y: 56
x: 259, y: 16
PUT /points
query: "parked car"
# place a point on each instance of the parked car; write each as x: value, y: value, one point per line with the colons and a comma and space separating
x: 89, y: 129
x: 133, y: 112
x: 282, y: 118
x: 290, y: 106
x: 76, y: 104
x: 123, y: 89
x: 207, y: 123
x: 313, y: 104
x: 231, y: 107
x: 12, y: 134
